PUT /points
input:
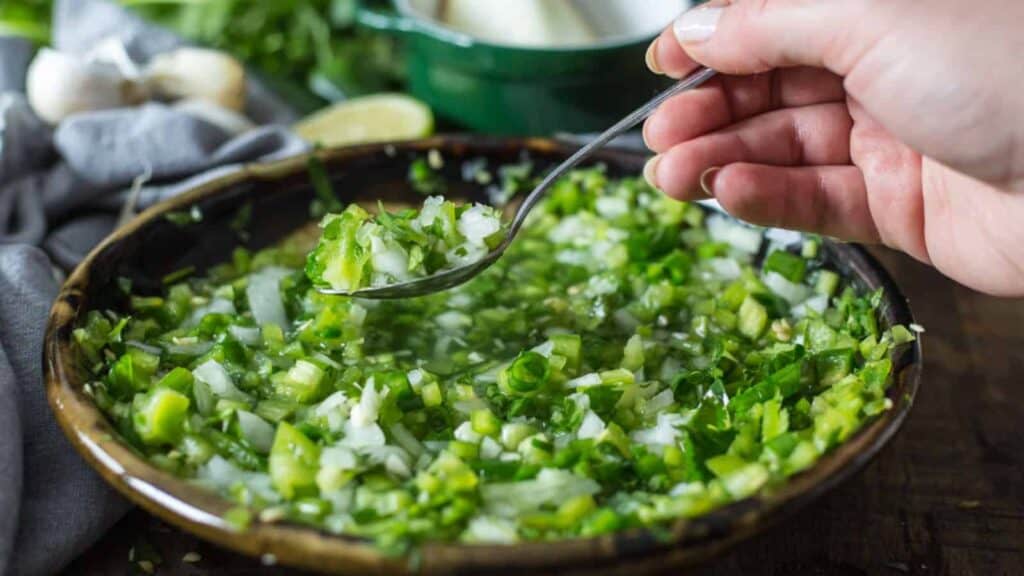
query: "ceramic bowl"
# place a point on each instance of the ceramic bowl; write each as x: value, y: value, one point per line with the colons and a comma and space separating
x: 279, y: 195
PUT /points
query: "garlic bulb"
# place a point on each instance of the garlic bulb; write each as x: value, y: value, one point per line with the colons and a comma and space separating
x: 196, y: 73
x: 59, y: 85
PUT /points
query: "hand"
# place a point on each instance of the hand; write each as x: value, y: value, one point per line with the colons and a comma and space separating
x: 893, y: 121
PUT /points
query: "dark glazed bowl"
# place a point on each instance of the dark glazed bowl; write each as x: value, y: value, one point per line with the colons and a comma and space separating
x: 279, y: 195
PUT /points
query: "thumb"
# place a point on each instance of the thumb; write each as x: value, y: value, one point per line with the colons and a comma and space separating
x: 750, y: 36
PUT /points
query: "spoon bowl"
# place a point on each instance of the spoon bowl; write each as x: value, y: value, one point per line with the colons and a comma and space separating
x: 455, y: 276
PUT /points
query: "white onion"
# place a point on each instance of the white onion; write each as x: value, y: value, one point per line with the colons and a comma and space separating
x: 338, y: 457
x: 390, y: 262
x: 363, y: 436
x: 490, y: 530
x: 256, y: 431
x: 592, y: 379
x: 489, y: 448
x: 788, y: 291
x: 725, y: 268
x: 611, y: 207
x: 430, y: 211
x: 397, y: 466
x: 465, y: 433
x: 662, y: 434
x: 217, y: 306
x: 544, y: 349
x: 264, y: 294
x: 591, y: 427
x: 551, y: 486
x: 740, y: 236
x: 453, y: 320
x: 477, y: 223
x: 217, y: 378
x: 334, y: 409
x: 817, y: 304
x: 368, y: 409
x: 660, y: 401
x: 248, y: 335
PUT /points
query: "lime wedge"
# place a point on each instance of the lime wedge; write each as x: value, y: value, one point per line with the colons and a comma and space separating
x: 377, y: 118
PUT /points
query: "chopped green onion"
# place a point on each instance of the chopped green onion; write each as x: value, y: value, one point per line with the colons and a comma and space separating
x: 624, y: 364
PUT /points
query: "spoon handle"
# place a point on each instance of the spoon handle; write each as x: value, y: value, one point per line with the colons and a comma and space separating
x: 695, y: 79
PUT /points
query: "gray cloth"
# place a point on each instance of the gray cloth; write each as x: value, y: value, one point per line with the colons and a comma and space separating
x: 60, y: 193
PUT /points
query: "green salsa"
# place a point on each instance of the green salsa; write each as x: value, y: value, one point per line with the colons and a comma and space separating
x: 624, y: 364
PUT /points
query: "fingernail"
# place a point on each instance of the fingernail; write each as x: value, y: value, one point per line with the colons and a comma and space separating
x: 651, y: 171
x: 707, y: 181
x: 697, y: 25
x: 652, y: 58
x: 643, y: 134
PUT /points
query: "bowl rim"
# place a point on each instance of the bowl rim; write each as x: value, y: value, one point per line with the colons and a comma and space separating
x: 200, y: 511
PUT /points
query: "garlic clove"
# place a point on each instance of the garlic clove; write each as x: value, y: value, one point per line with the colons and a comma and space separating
x: 197, y: 73
x: 59, y: 85
x: 231, y: 122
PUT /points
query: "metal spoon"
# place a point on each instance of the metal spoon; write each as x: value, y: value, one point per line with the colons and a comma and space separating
x: 455, y: 276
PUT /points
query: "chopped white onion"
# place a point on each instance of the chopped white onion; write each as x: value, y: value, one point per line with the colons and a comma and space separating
x: 740, y: 236
x: 665, y: 432
x: 338, y: 457
x: 390, y: 262
x: 490, y: 530
x: 248, y: 335
x: 551, y: 486
x: 591, y: 427
x: 611, y: 207
x: 725, y: 268
x: 789, y: 291
x: 592, y: 379
x: 368, y: 409
x: 453, y: 320
x: 217, y: 306
x: 363, y: 436
x: 489, y: 448
x: 217, y: 378
x: 256, y: 431
x: 545, y: 349
x: 465, y: 433
x: 264, y: 295
x: 660, y: 401
x: 477, y: 223
x: 334, y: 409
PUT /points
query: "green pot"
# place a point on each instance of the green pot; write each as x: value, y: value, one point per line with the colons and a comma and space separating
x: 517, y: 90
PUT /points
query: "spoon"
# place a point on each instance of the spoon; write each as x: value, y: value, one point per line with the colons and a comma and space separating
x: 455, y: 276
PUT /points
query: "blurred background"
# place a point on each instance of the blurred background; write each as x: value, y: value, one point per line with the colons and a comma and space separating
x: 526, y: 67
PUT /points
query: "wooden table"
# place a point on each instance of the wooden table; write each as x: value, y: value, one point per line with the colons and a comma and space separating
x: 945, y: 497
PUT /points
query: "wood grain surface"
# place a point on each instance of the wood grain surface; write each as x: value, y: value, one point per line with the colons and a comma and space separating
x: 945, y: 497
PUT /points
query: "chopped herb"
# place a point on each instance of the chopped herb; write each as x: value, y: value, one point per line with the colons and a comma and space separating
x: 178, y: 275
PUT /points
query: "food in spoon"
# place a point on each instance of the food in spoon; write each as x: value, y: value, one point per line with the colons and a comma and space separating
x: 358, y: 250
x: 625, y: 364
